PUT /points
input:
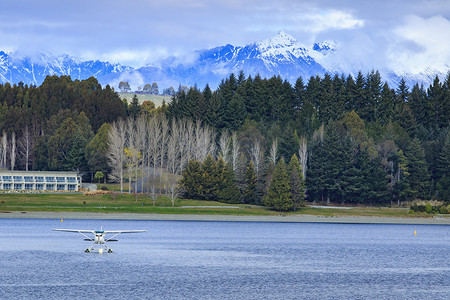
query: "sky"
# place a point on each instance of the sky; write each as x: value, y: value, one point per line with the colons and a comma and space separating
x: 406, y: 35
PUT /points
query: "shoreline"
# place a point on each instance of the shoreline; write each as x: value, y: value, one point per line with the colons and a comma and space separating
x: 436, y: 220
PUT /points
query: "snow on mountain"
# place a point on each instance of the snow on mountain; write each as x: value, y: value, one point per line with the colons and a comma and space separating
x: 281, y: 55
x: 15, y: 68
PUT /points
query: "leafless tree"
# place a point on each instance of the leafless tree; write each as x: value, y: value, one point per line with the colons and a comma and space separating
x: 154, y: 137
x: 256, y: 154
x: 189, y: 140
x: 130, y: 149
x: 116, y: 150
x: 164, y: 136
x: 173, y: 193
x: 204, y: 141
x: 172, y: 145
x: 26, y: 147
x: 183, y: 145
x: 224, y: 144
x: 141, y: 135
x: 4, y: 147
x: 13, y: 151
x: 303, y: 154
x: 153, y: 194
x: 274, y: 152
x: 235, y: 150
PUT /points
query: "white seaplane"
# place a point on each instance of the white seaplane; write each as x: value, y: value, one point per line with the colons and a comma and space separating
x: 99, y: 238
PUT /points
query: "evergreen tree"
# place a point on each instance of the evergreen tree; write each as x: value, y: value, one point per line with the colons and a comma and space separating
x: 279, y: 193
x: 296, y: 182
x: 210, y: 179
x: 418, y: 170
x: 191, y: 180
x: 227, y: 190
x: 135, y: 108
x: 249, y: 193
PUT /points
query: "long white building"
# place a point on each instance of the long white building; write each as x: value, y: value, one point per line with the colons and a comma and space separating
x: 39, y: 181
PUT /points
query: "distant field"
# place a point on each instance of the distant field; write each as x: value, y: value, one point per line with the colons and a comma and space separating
x: 128, y: 203
x: 157, y: 99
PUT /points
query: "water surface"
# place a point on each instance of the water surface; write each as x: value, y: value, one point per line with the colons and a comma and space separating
x: 225, y: 260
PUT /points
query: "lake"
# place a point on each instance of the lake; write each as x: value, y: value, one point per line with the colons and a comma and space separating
x: 225, y: 260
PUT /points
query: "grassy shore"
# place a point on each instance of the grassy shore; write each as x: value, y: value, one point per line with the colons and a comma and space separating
x: 142, y: 204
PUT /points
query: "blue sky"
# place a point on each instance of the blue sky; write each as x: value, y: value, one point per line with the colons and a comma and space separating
x: 404, y: 34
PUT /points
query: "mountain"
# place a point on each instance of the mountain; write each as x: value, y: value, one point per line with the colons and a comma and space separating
x: 15, y: 68
x: 280, y: 55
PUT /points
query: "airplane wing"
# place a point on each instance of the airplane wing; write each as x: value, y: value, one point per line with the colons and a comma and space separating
x: 76, y: 230
x: 124, y: 231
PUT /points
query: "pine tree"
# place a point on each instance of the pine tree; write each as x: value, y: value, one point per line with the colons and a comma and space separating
x: 210, y: 179
x: 249, y: 194
x: 418, y: 170
x: 279, y: 193
x: 227, y: 190
x: 191, y: 180
x: 296, y: 182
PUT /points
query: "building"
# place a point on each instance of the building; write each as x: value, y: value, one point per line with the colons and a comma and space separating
x: 39, y: 181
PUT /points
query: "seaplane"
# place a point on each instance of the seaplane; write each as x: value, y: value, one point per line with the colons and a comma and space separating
x: 99, y: 240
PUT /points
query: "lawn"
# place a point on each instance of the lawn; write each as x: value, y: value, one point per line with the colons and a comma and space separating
x: 129, y: 203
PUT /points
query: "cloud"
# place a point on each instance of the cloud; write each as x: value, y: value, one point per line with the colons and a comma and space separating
x: 422, y: 43
x: 330, y: 20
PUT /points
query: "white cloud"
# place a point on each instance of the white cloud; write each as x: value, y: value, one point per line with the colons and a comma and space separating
x: 422, y: 43
x: 331, y: 19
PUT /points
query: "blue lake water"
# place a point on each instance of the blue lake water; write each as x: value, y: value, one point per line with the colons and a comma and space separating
x: 225, y: 260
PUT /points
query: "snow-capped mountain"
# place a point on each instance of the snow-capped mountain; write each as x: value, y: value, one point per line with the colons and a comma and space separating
x: 15, y: 69
x: 280, y: 55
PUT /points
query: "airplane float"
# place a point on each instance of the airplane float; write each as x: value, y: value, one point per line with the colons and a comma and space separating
x: 99, y: 238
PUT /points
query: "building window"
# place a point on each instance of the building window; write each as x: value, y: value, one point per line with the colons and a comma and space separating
x: 28, y: 178
x: 50, y: 187
x: 39, y: 179
x: 71, y: 187
x: 28, y: 186
x: 18, y: 178
x: 7, y: 186
x: 18, y: 186
x: 60, y: 187
x: 49, y: 179
x: 60, y: 179
x: 7, y: 179
x: 71, y: 179
x: 39, y: 187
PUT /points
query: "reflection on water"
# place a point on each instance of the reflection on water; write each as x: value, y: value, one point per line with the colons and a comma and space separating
x: 225, y: 260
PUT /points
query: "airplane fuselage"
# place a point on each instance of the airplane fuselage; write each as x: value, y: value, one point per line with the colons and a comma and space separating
x: 99, y: 237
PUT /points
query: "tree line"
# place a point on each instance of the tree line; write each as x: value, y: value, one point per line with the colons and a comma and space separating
x: 356, y: 140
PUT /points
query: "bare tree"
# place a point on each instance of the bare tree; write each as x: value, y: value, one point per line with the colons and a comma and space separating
x: 235, y: 150
x: 13, y: 151
x: 153, y: 194
x: 164, y: 137
x: 26, y: 147
x: 172, y: 146
x: 154, y: 137
x: 116, y: 150
x: 141, y: 135
x: 4, y: 147
x: 273, y: 152
x: 190, y: 140
x: 183, y: 145
x: 256, y: 154
x: 303, y: 154
x: 224, y: 144
x: 173, y: 193
x: 130, y: 149
x: 204, y: 141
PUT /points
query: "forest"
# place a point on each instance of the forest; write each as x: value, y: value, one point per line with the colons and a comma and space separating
x: 334, y: 139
